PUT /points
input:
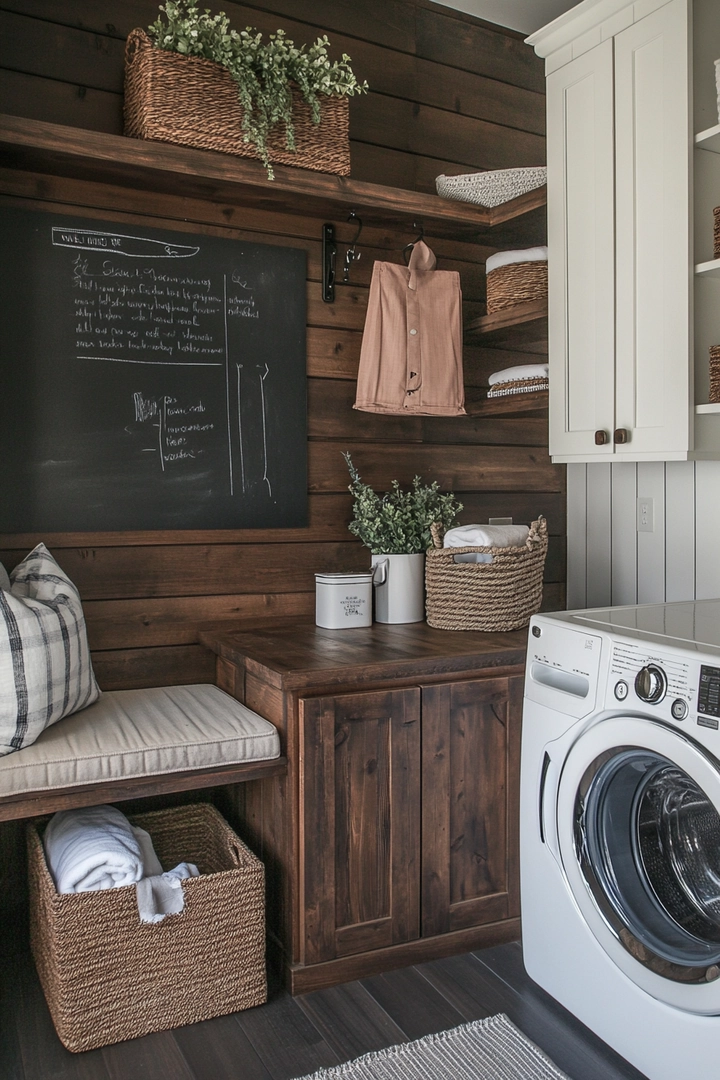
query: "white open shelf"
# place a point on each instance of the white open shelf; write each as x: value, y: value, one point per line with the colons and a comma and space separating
x: 709, y: 139
x: 712, y: 268
x: 707, y: 409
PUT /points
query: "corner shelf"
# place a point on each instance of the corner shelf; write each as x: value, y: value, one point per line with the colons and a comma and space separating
x: 702, y: 410
x: 525, y: 325
x: 39, y: 146
x: 711, y: 268
x: 510, y: 405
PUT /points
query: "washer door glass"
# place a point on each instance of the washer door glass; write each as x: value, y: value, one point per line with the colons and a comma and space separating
x: 647, y: 839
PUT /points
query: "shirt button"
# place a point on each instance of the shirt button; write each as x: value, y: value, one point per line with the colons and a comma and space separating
x: 413, y: 331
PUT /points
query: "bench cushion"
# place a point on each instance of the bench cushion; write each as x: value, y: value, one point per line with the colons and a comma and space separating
x: 133, y: 733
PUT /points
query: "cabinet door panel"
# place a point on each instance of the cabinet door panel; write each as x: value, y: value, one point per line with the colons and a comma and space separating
x: 653, y: 279
x: 471, y: 734
x: 581, y: 254
x: 360, y: 830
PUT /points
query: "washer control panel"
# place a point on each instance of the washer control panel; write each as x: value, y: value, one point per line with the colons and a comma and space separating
x: 675, y: 688
x: 664, y: 682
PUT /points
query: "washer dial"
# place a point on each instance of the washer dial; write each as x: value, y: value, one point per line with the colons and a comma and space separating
x: 651, y: 684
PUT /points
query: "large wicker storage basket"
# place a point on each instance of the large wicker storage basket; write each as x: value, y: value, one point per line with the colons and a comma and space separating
x: 516, y: 283
x: 499, y: 595
x: 108, y: 977
x: 194, y: 102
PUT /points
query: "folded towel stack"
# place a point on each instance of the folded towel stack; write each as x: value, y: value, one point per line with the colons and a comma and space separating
x: 497, y: 536
x: 492, y: 536
x: 96, y: 848
x: 521, y: 379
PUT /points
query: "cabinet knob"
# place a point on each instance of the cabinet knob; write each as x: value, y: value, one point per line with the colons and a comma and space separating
x: 601, y: 437
x: 620, y: 435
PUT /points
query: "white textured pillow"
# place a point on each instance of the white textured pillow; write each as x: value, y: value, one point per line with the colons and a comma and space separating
x: 45, y: 669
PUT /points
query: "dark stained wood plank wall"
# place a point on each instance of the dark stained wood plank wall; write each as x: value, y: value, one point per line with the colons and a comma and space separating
x: 449, y: 93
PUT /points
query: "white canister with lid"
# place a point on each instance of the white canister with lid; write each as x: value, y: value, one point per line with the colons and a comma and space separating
x: 343, y: 600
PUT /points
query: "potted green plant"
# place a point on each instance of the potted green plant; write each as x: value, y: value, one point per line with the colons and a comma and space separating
x: 193, y: 79
x: 396, y: 528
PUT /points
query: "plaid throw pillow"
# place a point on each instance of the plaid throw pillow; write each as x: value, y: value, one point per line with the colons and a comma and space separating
x: 45, y: 669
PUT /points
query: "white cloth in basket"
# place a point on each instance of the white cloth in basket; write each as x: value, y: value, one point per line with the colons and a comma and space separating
x: 486, y: 536
x: 92, y: 848
x: 521, y: 255
x: 96, y: 848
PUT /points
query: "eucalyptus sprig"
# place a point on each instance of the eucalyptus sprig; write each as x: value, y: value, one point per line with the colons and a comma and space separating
x: 398, y: 522
x: 264, y: 72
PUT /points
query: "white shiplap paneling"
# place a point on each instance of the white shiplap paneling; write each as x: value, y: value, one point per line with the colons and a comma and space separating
x: 679, y: 560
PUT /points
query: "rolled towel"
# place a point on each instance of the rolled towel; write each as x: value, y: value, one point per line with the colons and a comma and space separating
x: 92, y: 848
x: 520, y: 371
x: 507, y: 258
x: 486, y: 536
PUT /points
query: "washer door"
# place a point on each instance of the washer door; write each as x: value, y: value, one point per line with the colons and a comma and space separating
x: 638, y: 818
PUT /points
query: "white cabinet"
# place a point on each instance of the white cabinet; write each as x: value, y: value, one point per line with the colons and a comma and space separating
x: 620, y: 228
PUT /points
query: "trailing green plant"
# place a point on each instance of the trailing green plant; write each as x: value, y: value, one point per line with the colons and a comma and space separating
x: 398, y: 522
x: 264, y: 72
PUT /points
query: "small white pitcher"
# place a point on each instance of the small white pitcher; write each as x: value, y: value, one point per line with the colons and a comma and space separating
x: 399, y: 582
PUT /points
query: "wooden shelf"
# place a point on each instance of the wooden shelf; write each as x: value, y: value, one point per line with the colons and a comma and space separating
x: 525, y: 325
x: 510, y: 405
x: 66, y: 151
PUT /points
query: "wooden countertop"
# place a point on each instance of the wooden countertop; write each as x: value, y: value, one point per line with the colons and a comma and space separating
x: 298, y: 655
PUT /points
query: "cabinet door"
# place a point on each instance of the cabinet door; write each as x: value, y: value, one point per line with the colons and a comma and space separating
x: 654, y: 276
x: 470, y: 798
x: 581, y: 264
x: 359, y: 822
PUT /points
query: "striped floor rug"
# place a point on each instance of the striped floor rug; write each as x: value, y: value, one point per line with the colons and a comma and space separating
x: 491, y: 1049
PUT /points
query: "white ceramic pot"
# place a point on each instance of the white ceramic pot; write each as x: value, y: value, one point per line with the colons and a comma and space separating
x: 399, y: 582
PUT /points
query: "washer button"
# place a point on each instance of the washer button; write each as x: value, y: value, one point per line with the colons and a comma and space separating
x: 679, y: 709
x: 621, y: 690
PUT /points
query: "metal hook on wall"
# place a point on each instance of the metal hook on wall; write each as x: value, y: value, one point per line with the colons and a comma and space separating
x: 407, y: 250
x: 351, y: 255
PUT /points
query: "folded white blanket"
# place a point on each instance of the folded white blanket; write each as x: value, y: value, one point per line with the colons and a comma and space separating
x: 507, y: 258
x: 92, y: 848
x: 520, y: 371
x: 486, y: 536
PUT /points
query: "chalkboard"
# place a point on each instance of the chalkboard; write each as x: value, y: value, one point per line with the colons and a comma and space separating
x: 150, y: 379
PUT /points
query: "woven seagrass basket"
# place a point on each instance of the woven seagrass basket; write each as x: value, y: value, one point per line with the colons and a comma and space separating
x: 108, y: 977
x: 714, y: 397
x: 499, y: 595
x: 517, y: 283
x: 194, y: 102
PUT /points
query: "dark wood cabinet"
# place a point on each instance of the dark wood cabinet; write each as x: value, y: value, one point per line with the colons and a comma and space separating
x: 394, y: 837
x: 359, y: 825
x: 469, y: 799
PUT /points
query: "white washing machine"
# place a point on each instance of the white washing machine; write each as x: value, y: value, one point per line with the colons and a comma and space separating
x: 620, y: 828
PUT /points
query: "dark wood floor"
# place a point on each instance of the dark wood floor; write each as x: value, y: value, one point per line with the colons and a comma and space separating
x: 289, y: 1037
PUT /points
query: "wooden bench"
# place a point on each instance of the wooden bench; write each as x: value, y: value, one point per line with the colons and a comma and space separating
x: 199, y: 730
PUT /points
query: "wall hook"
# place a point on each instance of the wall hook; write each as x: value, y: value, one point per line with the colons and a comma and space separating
x: 407, y: 250
x: 351, y: 255
x: 329, y: 251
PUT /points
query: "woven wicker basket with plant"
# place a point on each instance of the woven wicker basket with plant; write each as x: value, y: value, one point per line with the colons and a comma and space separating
x: 196, y: 81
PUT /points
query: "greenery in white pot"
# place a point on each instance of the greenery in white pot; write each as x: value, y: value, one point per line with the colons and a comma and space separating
x: 265, y: 72
x: 398, y: 522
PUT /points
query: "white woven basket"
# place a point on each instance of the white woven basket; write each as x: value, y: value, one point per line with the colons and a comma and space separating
x: 491, y: 188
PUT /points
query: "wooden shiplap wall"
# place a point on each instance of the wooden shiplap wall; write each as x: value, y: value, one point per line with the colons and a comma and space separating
x: 610, y: 562
x: 449, y: 94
